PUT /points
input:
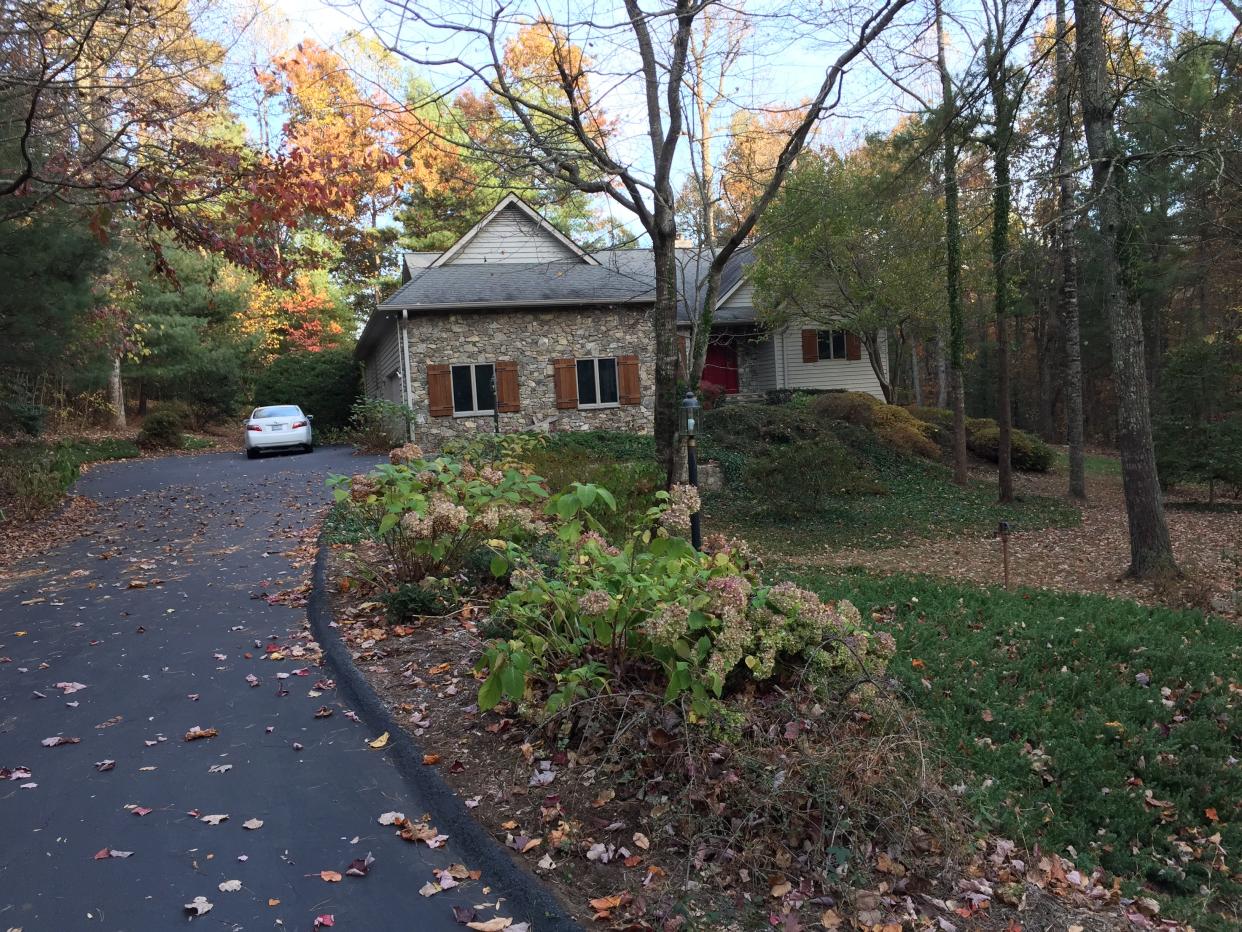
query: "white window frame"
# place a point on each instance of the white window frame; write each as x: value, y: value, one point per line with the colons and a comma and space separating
x: 845, y: 348
x: 595, y: 360
x: 474, y: 389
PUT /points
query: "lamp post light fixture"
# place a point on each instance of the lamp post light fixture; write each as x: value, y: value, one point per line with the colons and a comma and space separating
x: 689, y: 425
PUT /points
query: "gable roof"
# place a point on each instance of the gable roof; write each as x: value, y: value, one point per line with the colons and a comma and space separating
x: 512, y: 202
x: 506, y: 285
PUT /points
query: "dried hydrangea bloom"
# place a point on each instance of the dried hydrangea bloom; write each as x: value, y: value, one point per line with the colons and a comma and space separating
x: 525, y: 576
x: 488, y: 519
x: 405, y: 454
x: 886, y: 644
x: 595, y: 602
x: 491, y: 475
x: 447, y: 517
x: 361, y: 487
x: 468, y: 471
x: 597, y: 540
x: 426, y: 477
x: 669, y: 625
x: 415, y: 525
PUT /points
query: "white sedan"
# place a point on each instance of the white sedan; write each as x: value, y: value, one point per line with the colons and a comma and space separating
x: 278, y: 427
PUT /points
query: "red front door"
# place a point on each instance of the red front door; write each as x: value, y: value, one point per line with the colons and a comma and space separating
x: 720, y: 367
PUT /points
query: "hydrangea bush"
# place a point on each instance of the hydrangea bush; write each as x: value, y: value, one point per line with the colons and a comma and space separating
x: 701, y: 624
x: 429, y: 514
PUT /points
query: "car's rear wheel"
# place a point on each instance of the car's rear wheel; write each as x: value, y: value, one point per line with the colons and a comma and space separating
x: 308, y: 448
x: 252, y: 454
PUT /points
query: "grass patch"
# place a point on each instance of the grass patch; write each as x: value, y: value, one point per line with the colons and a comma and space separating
x: 1094, y: 727
x: 1093, y: 464
x: 190, y: 442
x: 34, y: 477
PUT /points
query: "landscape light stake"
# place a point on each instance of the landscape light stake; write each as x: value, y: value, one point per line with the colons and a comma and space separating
x: 689, y: 422
x: 1003, y: 531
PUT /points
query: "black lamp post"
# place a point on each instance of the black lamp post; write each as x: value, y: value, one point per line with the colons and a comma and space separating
x: 689, y: 424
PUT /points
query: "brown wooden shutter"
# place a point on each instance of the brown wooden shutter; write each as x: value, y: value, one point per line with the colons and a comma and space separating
x: 565, y: 382
x: 810, y: 346
x: 627, y: 380
x: 439, y: 391
x: 507, y: 401
x: 853, y: 346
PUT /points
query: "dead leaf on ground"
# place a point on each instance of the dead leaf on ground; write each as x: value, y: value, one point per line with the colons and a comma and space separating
x: 199, y: 906
x: 59, y: 740
x: 196, y: 733
x: 253, y: 824
x: 230, y: 886
x: 330, y: 876
x: 379, y: 742
x: 491, y: 925
x: 323, y: 712
x: 215, y: 819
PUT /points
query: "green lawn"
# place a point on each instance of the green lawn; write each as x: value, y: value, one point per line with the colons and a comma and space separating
x: 1082, y: 722
x: 1093, y: 464
x: 920, y: 500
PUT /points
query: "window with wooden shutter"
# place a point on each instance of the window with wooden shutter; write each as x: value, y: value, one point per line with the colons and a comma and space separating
x: 439, y: 391
x: 507, y: 401
x: 810, y: 346
x: 853, y: 346
x: 565, y: 382
x: 627, y: 373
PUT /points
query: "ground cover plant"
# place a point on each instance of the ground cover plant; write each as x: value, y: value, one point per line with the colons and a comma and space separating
x: 1082, y: 724
x: 867, y: 490
x: 35, y: 476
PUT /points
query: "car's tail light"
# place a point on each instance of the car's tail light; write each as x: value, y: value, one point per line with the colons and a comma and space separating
x: 253, y: 427
x: 296, y: 424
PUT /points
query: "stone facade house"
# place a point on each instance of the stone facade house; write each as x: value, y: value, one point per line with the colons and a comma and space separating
x: 516, y: 327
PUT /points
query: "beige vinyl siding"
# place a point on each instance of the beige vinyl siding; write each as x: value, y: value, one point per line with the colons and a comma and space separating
x: 843, y: 374
x: 511, y: 236
x: 383, y: 377
x: 741, y: 300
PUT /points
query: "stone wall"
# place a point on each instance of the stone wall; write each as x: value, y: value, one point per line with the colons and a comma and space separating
x: 532, y: 339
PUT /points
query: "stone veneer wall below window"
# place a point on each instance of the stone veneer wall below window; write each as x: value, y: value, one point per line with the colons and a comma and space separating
x: 532, y: 339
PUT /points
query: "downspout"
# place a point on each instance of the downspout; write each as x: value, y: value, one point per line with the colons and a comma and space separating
x: 407, y: 389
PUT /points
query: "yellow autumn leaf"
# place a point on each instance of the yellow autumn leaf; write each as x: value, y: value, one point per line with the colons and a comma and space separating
x: 381, y: 741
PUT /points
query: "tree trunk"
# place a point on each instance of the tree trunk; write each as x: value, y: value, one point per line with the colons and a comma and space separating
x: 953, y: 257
x: 665, y: 325
x: 1004, y: 109
x: 1068, y: 241
x: 916, y: 380
x: 1151, y: 553
x: 942, y: 370
x: 116, y: 394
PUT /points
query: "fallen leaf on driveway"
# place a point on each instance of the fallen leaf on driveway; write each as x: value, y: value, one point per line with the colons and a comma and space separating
x: 642, y: 841
x: 602, y: 905
x: 219, y: 768
x: 141, y: 810
x: 431, y: 759
x: 491, y: 925
x: 104, y: 765
x: 198, y: 906
x: 230, y: 886
x: 325, y: 921
x: 70, y: 687
x: 213, y: 819
x: 391, y: 818
x: 273, y: 902
x: 323, y: 712
x: 379, y: 742
x: 330, y: 876
x: 105, y: 853
x: 58, y: 741
x: 195, y: 733
x: 252, y: 824
x: 252, y: 680
x: 359, y: 866
x: 429, y: 889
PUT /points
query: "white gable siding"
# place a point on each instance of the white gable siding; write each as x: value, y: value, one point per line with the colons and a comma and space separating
x: 851, y: 375
x: 511, y: 236
x: 741, y: 300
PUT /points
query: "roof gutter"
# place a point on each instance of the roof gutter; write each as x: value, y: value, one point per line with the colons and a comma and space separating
x: 492, y: 305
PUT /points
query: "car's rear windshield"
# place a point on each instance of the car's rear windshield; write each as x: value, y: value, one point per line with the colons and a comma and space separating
x: 277, y: 411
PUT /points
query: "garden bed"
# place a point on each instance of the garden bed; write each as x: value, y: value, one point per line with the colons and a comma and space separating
x: 667, y: 737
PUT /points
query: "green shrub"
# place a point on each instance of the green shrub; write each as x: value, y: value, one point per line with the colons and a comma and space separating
x: 634, y: 483
x: 803, y: 475
x: 411, y: 601
x: 34, y: 477
x: 430, y: 514
x: 1027, y: 452
x: 894, y: 426
x: 24, y: 416
x: 1198, y: 422
x: 325, y: 384
x: 609, y: 444
x: 751, y: 429
x: 377, y: 425
x: 941, y: 417
x: 162, y: 429
x: 656, y: 611
x: 496, y: 449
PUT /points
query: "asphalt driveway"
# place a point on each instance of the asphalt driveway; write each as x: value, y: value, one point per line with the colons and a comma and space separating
x: 151, y: 626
